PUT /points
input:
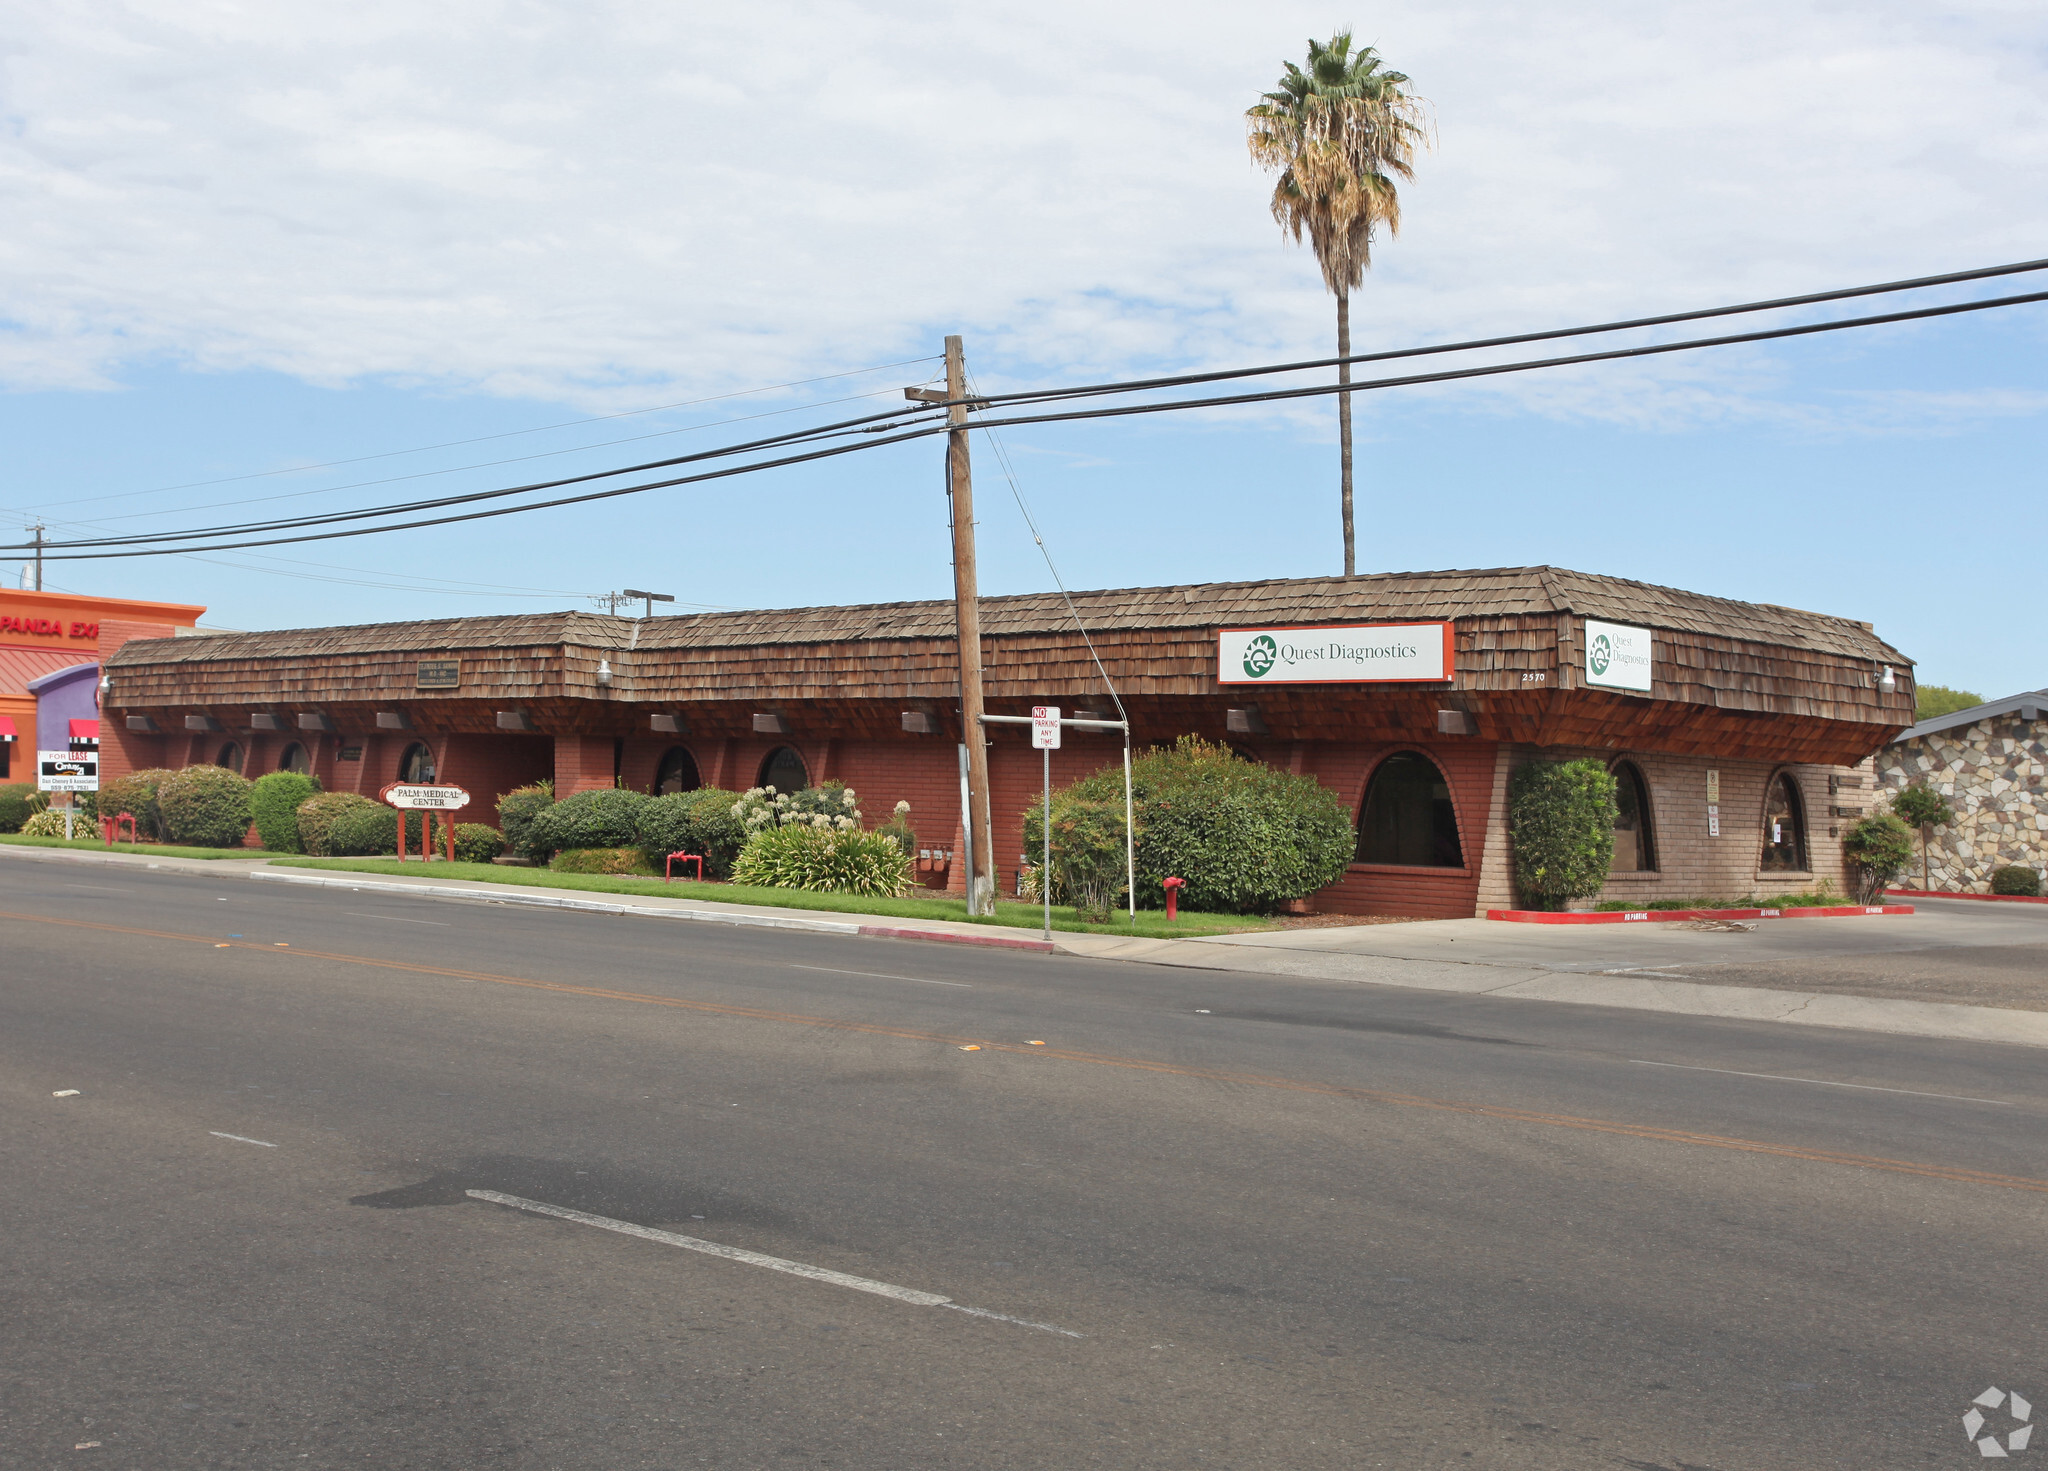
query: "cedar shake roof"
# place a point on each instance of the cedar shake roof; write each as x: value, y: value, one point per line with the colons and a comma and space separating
x: 1378, y: 598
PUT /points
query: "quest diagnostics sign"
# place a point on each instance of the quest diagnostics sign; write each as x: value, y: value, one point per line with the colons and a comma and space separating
x: 1617, y: 656
x: 1360, y: 653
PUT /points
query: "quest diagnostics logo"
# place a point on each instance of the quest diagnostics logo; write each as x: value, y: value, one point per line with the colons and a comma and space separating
x: 1259, y: 655
x: 1985, y: 1414
x: 1600, y: 654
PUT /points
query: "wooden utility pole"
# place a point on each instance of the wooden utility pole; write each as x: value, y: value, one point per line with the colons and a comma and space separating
x: 981, y: 897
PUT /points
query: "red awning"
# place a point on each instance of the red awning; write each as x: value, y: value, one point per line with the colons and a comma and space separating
x: 85, y: 730
x: 6, y: 727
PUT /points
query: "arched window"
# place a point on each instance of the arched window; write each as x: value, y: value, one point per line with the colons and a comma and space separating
x: 416, y: 766
x: 677, y: 772
x: 231, y: 757
x: 1635, y: 848
x: 1408, y: 817
x: 295, y: 758
x: 784, y: 771
x: 1784, y: 827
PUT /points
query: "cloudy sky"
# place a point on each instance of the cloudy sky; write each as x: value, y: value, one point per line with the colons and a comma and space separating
x: 246, y: 243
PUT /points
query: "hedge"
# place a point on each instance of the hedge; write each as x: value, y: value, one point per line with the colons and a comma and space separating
x: 604, y: 817
x: 318, y: 814
x: 477, y: 842
x: 17, y: 806
x: 692, y: 822
x: 1245, y: 836
x: 1880, y: 848
x: 519, y: 807
x: 1561, y: 817
x: 135, y: 794
x: 205, y: 807
x: 275, y: 802
x: 601, y: 860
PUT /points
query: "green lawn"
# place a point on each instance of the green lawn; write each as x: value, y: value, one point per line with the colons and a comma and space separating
x: 147, y: 850
x: 1151, y: 922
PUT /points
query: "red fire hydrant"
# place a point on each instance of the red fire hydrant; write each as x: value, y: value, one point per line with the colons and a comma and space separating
x: 1173, y: 888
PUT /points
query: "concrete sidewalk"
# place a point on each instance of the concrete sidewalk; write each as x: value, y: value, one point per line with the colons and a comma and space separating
x: 1620, y: 966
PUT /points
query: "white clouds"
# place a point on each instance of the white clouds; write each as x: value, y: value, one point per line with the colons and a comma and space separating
x: 604, y: 201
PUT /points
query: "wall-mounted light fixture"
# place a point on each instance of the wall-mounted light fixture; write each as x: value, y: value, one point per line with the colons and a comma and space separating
x: 604, y: 671
x: 1244, y: 720
x: 766, y: 724
x: 393, y: 720
x: 1888, y: 681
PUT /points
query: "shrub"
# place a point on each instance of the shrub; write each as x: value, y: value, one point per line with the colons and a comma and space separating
x: 275, y: 802
x: 1561, y: 817
x: 1245, y: 836
x: 49, y: 823
x: 1878, y: 848
x: 899, y: 831
x: 135, y: 794
x: 1088, y: 854
x: 2017, y: 879
x: 477, y: 842
x: 15, y: 806
x: 824, y: 859
x: 318, y: 814
x: 692, y: 822
x: 205, y: 806
x: 831, y: 805
x: 604, y: 817
x: 601, y: 860
x: 518, y: 808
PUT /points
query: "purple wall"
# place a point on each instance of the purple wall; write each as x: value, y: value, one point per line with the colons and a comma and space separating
x: 68, y: 695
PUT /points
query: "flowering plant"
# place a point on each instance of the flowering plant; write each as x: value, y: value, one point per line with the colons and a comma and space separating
x: 829, y: 807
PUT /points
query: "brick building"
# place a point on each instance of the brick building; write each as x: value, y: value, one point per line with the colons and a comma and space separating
x: 1735, y: 728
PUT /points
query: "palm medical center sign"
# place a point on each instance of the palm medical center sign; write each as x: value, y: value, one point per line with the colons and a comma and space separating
x: 1357, y: 653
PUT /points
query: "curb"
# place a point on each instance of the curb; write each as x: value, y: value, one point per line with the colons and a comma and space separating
x: 1638, y: 916
x: 601, y: 906
x: 1982, y: 898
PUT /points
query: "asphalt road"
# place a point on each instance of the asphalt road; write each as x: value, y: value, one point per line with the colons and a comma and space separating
x: 1294, y: 1223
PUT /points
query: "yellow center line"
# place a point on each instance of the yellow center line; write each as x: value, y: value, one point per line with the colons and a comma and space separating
x: 1215, y: 1075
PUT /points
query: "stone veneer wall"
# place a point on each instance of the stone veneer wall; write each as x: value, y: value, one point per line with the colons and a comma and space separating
x: 1995, y: 775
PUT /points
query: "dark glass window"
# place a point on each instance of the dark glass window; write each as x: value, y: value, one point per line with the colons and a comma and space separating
x: 416, y: 766
x: 231, y: 757
x: 1784, y: 827
x: 295, y: 758
x: 1635, y: 851
x: 1408, y: 817
x: 677, y: 772
x: 784, y: 771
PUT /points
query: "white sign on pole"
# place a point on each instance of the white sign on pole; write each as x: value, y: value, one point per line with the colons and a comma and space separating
x: 1364, y: 653
x: 435, y: 798
x: 1045, y: 727
x: 1617, y: 656
x: 68, y: 771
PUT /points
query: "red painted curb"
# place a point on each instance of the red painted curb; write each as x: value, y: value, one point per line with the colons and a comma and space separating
x: 1639, y: 916
x: 1992, y: 898
x: 1002, y: 942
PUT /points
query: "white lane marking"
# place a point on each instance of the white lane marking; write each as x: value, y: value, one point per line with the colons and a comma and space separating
x: 397, y: 918
x: 1824, y: 1083
x: 833, y: 970
x: 757, y: 1259
x: 96, y: 888
x: 241, y: 1138
x: 65, y: 1093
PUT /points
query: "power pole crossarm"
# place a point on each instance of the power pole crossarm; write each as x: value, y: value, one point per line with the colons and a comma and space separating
x: 981, y: 852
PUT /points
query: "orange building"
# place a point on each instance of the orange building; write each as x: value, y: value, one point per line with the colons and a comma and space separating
x: 43, y: 632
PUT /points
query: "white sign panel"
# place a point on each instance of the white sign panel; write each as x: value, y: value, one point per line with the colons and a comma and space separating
x: 1359, y: 653
x: 1045, y: 727
x: 68, y: 771
x: 1617, y: 656
x: 427, y: 797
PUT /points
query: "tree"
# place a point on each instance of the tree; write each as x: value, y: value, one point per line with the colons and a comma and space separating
x: 1923, y: 807
x: 1340, y: 132
x: 1933, y: 700
x: 1880, y: 846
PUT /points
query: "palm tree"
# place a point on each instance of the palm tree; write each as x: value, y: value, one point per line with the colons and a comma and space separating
x: 1340, y: 132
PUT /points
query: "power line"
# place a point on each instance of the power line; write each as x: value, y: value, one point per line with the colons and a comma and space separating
x: 902, y: 427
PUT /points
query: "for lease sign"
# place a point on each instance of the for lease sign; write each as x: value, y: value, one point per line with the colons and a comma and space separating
x: 1357, y: 653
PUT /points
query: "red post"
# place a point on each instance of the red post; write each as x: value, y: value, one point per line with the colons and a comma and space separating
x: 1173, y: 888
x: 448, y: 835
x: 668, y: 872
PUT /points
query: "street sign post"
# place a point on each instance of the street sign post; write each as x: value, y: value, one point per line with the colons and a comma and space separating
x: 426, y: 800
x: 1045, y: 734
